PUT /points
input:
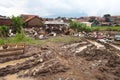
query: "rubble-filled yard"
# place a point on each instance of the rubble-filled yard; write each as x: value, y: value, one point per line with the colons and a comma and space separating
x: 77, y: 60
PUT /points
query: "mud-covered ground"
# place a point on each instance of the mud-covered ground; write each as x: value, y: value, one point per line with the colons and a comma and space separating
x: 83, y: 60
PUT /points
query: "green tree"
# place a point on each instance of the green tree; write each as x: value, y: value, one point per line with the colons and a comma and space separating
x: 94, y: 21
x: 17, y: 23
x: 107, y: 17
x: 4, y: 31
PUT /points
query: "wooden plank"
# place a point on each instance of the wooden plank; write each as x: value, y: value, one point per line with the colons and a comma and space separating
x: 12, y: 49
x: 19, y: 44
x: 18, y: 52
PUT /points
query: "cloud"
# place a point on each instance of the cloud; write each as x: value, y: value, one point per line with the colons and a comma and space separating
x: 12, y: 7
x: 54, y: 8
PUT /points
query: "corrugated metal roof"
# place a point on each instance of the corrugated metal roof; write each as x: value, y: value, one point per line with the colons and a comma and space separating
x: 54, y: 22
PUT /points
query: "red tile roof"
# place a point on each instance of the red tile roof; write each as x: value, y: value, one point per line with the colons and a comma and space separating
x: 115, y: 16
x: 6, y: 22
x: 27, y: 18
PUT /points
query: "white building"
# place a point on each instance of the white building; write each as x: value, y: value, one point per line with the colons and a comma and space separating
x: 87, y: 24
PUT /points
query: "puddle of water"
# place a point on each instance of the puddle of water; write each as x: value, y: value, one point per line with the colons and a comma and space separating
x: 71, y: 45
x: 116, y: 47
x: 7, y: 53
x: 81, y: 49
x: 98, y: 45
x: 1, y: 48
x: 14, y: 77
x: 11, y: 63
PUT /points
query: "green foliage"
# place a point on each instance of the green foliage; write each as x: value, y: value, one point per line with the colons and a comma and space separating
x: 95, y: 29
x: 2, y: 41
x: 4, y: 31
x: 20, y: 38
x: 106, y: 28
x: 107, y: 17
x: 79, y: 26
x: 63, y: 39
x: 17, y: 23
x: 94, y: 21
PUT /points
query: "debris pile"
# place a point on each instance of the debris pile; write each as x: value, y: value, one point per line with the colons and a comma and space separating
x: 108, y: 61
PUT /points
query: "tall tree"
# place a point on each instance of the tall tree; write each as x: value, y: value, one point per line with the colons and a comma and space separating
x: 17, y: 23
x: 107, y: 17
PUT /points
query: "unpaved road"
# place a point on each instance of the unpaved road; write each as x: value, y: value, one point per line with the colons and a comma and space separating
x: 75, y: 61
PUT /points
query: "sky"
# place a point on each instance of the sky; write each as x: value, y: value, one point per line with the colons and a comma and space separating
x: 62, y: 8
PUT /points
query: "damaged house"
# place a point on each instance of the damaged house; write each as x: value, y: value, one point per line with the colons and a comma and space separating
x: 32, y: 21
x: 5, y: 21
x: 115, y: 20
x: 55, y: 26
x: 32, y: 24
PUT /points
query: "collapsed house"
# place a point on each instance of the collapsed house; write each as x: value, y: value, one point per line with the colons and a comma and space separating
x: 6, y: 21
x: 55, y: 26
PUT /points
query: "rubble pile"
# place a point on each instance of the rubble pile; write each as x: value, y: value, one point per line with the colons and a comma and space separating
x: 95, y: 54
x: 74, y: 48
x: 108, y: 61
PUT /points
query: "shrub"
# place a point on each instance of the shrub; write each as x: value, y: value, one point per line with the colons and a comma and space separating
x: 106, y: 28
x: 4, y: 31
x: 79, y: 27
x: 19, y: 37
x: 2, y: 41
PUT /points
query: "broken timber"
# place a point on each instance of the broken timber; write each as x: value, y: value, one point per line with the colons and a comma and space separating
x: 12, y: 49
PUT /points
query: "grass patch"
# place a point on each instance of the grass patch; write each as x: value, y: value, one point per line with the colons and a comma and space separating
x: 106, y: 28
x: 63, y: 39
x: 19, y: 38
x: 2, y: 41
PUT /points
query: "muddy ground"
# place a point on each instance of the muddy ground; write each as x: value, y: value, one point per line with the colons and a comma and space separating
x: 83, y: 60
